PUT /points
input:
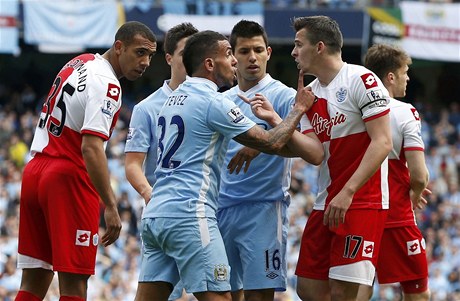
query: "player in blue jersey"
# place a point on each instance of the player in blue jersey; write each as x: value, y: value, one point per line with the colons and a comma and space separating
x: 179, y: 228
x: 252, y: 206
x: 141, y: 143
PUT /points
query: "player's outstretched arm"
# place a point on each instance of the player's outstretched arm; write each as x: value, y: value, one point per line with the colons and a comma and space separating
x: 307, y: 147
x: 274, y: 140
x: 93, y: 152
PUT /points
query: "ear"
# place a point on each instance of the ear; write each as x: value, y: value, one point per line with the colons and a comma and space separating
x: 209, y: 64
x: 320, y: 47
x: 269, y: 52
x: 390, y: 77
x: 118, y: 46
x: 168, y: 58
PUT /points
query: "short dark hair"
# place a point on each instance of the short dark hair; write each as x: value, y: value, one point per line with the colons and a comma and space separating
x: 199, y: 47
x: 383, y: 59
x: 321, y: 28
x: 128, y: 30
x: 247, y: 29
x: 177, y: 33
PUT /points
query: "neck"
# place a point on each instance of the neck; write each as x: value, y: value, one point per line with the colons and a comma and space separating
x: 333, y: 67
x: 110, y: 56
x: 245, y: 84
x: 175, y: 82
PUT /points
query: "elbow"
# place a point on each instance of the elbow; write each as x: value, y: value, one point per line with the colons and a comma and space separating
x: 87, y: 151
x: 388, y: 146
x: 318, y: 159
x: 315, y: 158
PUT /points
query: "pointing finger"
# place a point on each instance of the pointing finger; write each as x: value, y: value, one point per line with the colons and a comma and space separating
x: 300, y: 84
x: 244, y: 98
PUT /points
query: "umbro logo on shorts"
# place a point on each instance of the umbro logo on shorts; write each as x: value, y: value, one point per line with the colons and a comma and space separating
x: 272, y: 275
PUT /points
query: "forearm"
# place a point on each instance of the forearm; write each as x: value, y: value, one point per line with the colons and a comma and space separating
x: 307, y: 147
x: 274, y: 140
x: 418, y: 171
x: 137, y: 179
x: 96, y: 165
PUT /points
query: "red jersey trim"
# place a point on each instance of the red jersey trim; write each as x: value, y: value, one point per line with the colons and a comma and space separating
x: 95, y: 134
x: 377, y: 116
x: 414, y: 148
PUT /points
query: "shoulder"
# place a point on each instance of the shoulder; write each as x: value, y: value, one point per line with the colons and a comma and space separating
x: 403, y: 110
x: 232, y: 92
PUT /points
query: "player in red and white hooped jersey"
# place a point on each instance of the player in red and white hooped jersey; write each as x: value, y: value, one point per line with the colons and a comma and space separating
x: 403, y: 256
x: 350, y: 117
x: 68, y: 174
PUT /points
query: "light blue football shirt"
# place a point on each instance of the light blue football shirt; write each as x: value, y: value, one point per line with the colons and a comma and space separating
x: 142, y: 136
x: 195, y: 126
x: 269, y: 176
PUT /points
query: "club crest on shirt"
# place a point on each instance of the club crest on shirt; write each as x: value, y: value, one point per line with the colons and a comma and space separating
x: 235, y: 114
x: 369, y: 80
x: 113, y: 91
x: 341, y: 94
x: 95, y: 239
x: 220, y: 272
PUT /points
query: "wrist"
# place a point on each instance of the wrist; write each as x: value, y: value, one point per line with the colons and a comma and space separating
x: 275, y: 121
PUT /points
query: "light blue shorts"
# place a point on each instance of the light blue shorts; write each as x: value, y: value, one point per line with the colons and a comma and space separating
x: 192, y: 246
x: 255, y: 237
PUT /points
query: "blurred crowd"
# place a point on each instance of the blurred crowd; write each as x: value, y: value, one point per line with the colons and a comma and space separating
x: 117, y: 265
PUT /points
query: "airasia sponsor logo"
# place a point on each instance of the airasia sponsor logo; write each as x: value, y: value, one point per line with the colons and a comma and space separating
x: 321, y: 124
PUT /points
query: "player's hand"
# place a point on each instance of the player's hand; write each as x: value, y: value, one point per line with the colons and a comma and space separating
x: 337, y: 209
x: 304, y: 97
x: 242, y: 158
x: 262, y: 108
x: 419, y: 201
x: 113, y: 226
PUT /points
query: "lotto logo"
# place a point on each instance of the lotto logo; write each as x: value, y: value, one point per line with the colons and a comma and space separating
x: 369, y: 80
x: 83, y: 238
x: 368, y: 249
x: 413, y: 247
x: 113, y: 91
x: 415, y: 113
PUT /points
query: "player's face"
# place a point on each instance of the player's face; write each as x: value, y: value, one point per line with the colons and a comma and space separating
x: 175, y: 60
x: 135, y: 57
x: 304, y: 53
x: 252, y: 56
x: 401, y: 79
x: 225, y: 65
